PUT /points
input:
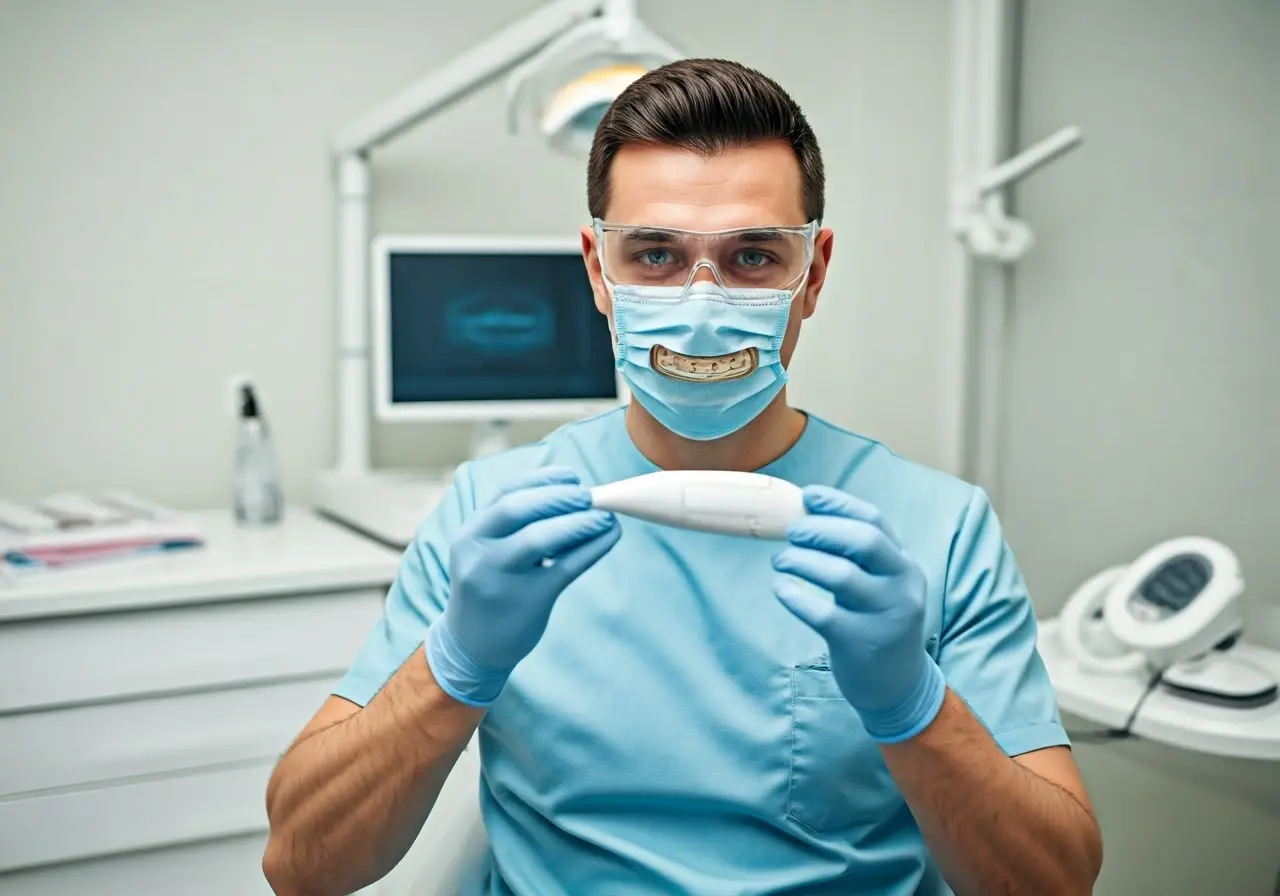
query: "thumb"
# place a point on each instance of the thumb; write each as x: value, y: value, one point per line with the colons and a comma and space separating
x: 814, y: 608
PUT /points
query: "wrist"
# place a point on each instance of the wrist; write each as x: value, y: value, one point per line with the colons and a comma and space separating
x: 439, y: 719
x: 914, y: 713
x: 457, y: 673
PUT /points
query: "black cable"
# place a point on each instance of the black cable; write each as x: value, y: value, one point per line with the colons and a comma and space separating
x: 1096, y: 737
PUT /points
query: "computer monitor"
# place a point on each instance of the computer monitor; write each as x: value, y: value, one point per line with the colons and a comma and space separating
x: 487, y: 329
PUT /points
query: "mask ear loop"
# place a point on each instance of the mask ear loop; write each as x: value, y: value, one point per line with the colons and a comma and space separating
x: 608, y: 288
x: 598, y: 228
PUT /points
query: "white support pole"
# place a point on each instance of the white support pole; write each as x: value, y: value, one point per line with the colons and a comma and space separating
x: 989, y: 302
x: 353, y: 314
x: 977, y: 294
x: 624, y: 10
x: 956, y: 318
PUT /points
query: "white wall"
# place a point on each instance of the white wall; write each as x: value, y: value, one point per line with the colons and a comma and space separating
x: 1144, y: 372
x: 165, y: 215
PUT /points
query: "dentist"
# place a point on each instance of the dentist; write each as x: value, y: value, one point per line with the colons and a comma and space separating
x: 858, y: 710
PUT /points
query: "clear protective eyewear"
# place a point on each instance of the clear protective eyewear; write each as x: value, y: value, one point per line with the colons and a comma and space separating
x: 764, y: 257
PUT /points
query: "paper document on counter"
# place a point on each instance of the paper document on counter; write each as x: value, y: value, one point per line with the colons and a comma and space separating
x: 72, y: 530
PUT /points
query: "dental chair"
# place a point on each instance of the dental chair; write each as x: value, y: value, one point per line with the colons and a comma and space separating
x: 452, y: 844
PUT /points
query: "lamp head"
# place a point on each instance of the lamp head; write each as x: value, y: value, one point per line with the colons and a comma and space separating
x: 569, y: 120
x: 566, y: 88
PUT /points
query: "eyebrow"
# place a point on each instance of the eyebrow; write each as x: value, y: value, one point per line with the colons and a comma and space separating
x: 650, y: 235
x: 656, y: 235
x: 760, y: 236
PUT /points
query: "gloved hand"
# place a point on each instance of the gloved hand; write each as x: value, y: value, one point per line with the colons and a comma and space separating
x: 506, y: 569
x: 874, y: 628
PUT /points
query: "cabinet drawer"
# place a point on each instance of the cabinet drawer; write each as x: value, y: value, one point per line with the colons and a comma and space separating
x: 226, y: 867
x: 54, y: 662
x: 62, y: 827
x: 80, y: 745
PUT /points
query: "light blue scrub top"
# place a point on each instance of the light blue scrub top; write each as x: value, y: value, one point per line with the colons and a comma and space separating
x: 677, y: 730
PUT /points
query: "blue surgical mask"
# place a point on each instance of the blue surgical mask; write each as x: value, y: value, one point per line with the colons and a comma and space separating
x: 703, y: 320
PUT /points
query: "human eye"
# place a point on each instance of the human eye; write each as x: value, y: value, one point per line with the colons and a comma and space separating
x: 754, y: 258
x: 754, y: 262
x: 655, y: 257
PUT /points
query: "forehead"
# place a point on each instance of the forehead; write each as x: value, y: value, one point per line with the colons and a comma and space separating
x: 740, y: 187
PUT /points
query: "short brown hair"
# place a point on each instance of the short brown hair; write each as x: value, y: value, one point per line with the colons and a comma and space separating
x: 706, y: 106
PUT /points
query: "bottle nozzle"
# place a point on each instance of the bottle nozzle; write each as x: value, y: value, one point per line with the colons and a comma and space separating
x: 248, y: 402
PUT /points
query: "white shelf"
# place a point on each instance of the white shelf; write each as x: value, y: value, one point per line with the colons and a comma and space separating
x: 304, y: 553
x: 1164, y: 717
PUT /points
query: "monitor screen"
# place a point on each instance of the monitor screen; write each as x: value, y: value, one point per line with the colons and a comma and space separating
x: 493, y: 325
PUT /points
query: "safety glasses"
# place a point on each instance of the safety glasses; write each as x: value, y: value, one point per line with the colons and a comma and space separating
x: 764, y: 257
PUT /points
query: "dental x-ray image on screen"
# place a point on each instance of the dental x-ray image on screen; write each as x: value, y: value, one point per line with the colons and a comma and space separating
x: 490, y: 322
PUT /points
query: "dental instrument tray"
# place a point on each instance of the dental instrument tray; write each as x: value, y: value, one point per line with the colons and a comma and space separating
x: 750, y: 505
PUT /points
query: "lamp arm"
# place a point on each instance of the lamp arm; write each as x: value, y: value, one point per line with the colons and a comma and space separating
x: 461, y: 76
x: 1029, y: 160
x: 413, y: 105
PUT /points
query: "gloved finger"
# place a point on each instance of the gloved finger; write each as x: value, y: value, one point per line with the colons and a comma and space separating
x: 827, y: 501
x: 578, y: 560
x: 513, y: 511
x: 550, y: 538
x: 816, y: 610
x: 851, y: 585
x: 542, y: 476
x: 850, y: 538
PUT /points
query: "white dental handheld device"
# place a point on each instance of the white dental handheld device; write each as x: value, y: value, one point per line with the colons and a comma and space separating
x: 751, y: 505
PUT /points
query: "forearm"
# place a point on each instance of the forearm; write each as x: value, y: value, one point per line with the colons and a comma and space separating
x: 993, y: 826
x: 345, y: 803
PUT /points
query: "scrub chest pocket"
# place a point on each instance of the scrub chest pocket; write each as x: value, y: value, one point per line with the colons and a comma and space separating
x: 838, y: 778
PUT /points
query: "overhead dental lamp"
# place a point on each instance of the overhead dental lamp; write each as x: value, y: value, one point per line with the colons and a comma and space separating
x: 567, y: 61
x: 567, y: 87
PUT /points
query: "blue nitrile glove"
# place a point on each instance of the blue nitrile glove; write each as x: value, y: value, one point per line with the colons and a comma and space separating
x: 874, y: 628
x: 506, y: 569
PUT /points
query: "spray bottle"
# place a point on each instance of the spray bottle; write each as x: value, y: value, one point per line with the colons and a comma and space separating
x: 258, y: 501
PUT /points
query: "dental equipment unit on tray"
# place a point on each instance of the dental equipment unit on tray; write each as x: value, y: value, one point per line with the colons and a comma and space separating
x: 67, y: 530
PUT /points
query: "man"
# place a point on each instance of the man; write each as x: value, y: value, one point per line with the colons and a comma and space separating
x: 860, y: 710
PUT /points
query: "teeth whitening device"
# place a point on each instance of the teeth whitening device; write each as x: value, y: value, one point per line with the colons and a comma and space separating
x: 1176, y: 610
x: 750, y: 505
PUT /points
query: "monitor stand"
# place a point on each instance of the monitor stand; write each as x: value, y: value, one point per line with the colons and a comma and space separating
x: 490, y: 437
x: 390, y: 505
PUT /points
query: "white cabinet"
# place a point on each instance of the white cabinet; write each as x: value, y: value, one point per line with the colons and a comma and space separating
x: 214, y: 868
x: 144, y: 703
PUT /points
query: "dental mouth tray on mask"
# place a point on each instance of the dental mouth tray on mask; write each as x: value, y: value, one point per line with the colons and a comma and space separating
x: 751, y: 505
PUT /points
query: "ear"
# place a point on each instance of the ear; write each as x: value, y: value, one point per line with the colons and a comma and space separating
x: 822, y: 245
x: 591, y: 259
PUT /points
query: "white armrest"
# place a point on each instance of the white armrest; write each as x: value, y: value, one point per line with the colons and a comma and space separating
x: 452, y: 843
